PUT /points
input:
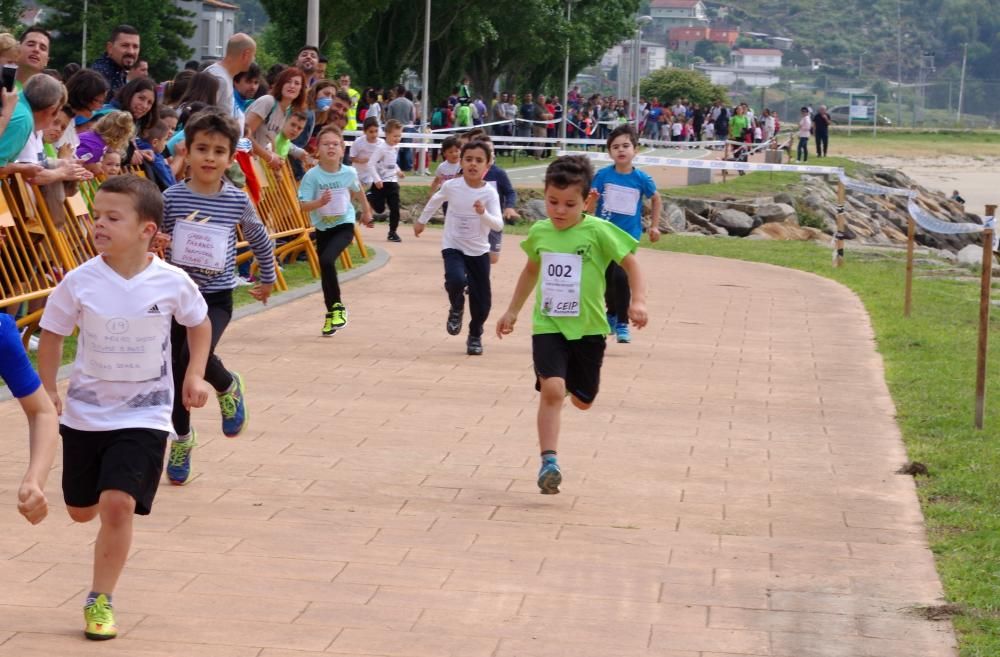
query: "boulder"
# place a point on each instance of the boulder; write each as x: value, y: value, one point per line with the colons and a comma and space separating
x: 735, y: 222
x: 701, y: 224
x: 788, y: 231
x: 785, y: 198
x: 696, y: 205
x: 672, y: 219
x: 534, y: 210
x: 776, y: 212
x: 971, y: 255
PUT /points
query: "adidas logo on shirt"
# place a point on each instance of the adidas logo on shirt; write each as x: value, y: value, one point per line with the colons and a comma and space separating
x: 153, y: 310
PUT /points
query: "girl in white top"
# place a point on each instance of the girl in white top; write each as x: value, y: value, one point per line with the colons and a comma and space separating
x: 363, y: 149
x: 266, y: 116
x: 473, y: 211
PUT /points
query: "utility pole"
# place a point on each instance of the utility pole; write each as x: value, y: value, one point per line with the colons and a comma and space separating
x: 961, y: 84
x: 565, y: 98
x: 899, y: 63
x: 312, y: 23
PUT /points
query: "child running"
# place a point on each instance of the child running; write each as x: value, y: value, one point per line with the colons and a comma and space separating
x: 497, y: 178
x: 201, y: 215
x: 363, y: 149
x: 116, y: 418
x: 451, y: 151
x: 571, y: 251
x: 619, y: 189
x: 386, y: 175
x: 473, y: 211
x: 326, y: 193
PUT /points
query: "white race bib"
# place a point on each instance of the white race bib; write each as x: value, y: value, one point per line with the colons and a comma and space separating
x: 123, y: 348
x: 468, y: 226
x: 337, y: 206
x: 199, y: 246
x: 561, y: 284
x: 621, y: 200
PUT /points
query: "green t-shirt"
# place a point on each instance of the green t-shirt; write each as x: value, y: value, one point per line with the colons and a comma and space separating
x: 569, y: 296
x: 737, y: 125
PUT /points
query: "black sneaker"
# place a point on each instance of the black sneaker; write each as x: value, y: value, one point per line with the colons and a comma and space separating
x: 393, y: 237
x: 454, y: 325
x: 474, y: 346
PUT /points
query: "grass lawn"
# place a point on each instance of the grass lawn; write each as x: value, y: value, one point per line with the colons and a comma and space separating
x: 930, y: 368
x: 905, y: 143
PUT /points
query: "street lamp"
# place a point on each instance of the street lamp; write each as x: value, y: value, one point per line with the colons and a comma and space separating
x: 640, y: 21
x: 565, y: 96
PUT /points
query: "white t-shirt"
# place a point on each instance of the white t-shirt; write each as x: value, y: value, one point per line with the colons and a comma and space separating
x: 805, y: 126
x: 365, y: 150
x: 383, y: 163
x: 122, y: 376
x: 464, y: 228
x: 447, y: 170
x: 226, y: 101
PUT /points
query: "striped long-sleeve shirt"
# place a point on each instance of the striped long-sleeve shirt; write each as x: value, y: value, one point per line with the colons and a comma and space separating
x: 229, y: 207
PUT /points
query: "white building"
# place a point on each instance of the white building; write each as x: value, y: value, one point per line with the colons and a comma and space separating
x: 678, y: 13
x: 759, y: 58
x: 727, y: 75
x: 215, y: 23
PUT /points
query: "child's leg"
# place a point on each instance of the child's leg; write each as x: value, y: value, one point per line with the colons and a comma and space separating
x: 330, y: 244
x: 496, y: 242
x: 455, y: 277
x: 113, y: 540
x: 480, y: 294
x: 617, y: 295
x: 392, y: 199
x: 376, y: 198
x: 550, y: 403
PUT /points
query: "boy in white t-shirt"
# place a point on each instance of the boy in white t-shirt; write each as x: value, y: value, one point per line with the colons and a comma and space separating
x: 387, y: 174
x: 117, y: 414
x: 465, y: 247
x: 451, y: 167
x: 363, y: 149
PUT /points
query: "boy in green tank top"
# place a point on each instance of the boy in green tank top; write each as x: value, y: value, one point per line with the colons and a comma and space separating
x: 567, y: 256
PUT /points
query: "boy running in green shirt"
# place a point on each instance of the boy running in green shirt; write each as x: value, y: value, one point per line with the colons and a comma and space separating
x: 567, y: 257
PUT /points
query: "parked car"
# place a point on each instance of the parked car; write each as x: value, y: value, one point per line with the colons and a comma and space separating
x: 841, y: 113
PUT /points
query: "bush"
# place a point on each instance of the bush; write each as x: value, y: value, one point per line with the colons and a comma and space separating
x: 668, y: 84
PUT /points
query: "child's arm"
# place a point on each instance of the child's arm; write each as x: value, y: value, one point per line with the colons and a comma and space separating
x: 358, y: 195
x: 50, y: 348
x: 525, y: 284
x: 318, y: 202
x: 373, y: 163
x: 195, y: 391
x: 490, y: 212
x: 43, y: 437
x: 436, y: 184
x: 654, y: 224
x: 637, y: 286
x: 263, y: 250
x: 590, y: 205
x: 432, y: 206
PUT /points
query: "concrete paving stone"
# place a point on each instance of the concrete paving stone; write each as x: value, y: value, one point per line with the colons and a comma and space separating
x: 740, y: 456
x: 412, y: 644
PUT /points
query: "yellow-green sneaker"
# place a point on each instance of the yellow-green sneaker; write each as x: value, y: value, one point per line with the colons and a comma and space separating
x: 179, y: 461
x: 100, y: 618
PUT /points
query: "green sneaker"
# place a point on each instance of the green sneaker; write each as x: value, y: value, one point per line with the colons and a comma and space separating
x: 339, y: 313
x: 328, y: 329
x: 179, y: 463
x: 100, y: 618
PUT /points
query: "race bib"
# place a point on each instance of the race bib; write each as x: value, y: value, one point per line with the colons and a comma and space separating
x: 337, y: 206
x: 561, y: 284
x: 123, y: 348
x: 469, y: 226
x: 199, y: 246
x: 621, y: 200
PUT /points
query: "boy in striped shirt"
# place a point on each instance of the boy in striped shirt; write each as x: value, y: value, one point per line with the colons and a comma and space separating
x: 201, y: 215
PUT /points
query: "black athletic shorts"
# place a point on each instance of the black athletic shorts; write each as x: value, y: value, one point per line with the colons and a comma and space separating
x: 129, y: 460
x: 577, y: 362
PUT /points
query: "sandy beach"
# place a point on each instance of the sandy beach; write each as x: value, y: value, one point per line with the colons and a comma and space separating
x: 975, y: 178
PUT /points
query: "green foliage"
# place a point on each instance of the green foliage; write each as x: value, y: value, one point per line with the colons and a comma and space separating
x: 668, y: 84
x: 162, y: 25
x: 337, y: 20
x: 710, y: 50
x: 10, y: 11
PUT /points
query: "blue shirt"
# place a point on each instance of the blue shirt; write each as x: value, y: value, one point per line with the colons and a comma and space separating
x: 17, y: 133
x: 164, y: 174
x: 316, y: 181
x: 636, y: 180
x: 15, y: 368
x: 508, y: 197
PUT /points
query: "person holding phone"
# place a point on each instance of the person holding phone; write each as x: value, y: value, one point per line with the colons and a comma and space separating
x: 41, y: 101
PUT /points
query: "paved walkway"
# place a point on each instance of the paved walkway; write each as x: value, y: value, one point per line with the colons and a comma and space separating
x: 731, y: 493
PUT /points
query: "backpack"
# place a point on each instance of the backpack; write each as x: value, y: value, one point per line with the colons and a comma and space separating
x: 437, y: 119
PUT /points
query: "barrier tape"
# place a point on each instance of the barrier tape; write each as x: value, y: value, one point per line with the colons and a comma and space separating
x: 873, y: 188
x: 721, y: 165
x: 930, y: 223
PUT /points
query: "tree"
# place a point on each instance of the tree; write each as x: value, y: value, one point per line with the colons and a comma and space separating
x: 162, y: 24
x: 710, y: 50
x: 337, y: 20
x: 668, y: 84
x: 10, y: 12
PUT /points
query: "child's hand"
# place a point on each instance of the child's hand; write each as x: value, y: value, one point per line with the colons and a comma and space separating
x: 66, y: 152
x: 505, y: 325
x: 261, y: 292
x: 590, y: 205
x: 325, y: 197
x: 637, y: 313
x: 160, y: 242
x: 367, y: 219
x: 654, y: 233
x: 418, y: 228
x: 401, y: 175
x: 378, y: 185
x: 511, y: 214
x: 31, y: 502
x: 479, y: 208
x: 195, y: 391
x: 56, y: 401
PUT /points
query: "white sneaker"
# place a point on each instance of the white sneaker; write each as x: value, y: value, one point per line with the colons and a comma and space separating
x: 33, y: 343
x: 243, y: 282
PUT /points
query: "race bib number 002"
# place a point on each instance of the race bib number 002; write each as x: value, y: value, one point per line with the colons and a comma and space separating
x: 561, y: 284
